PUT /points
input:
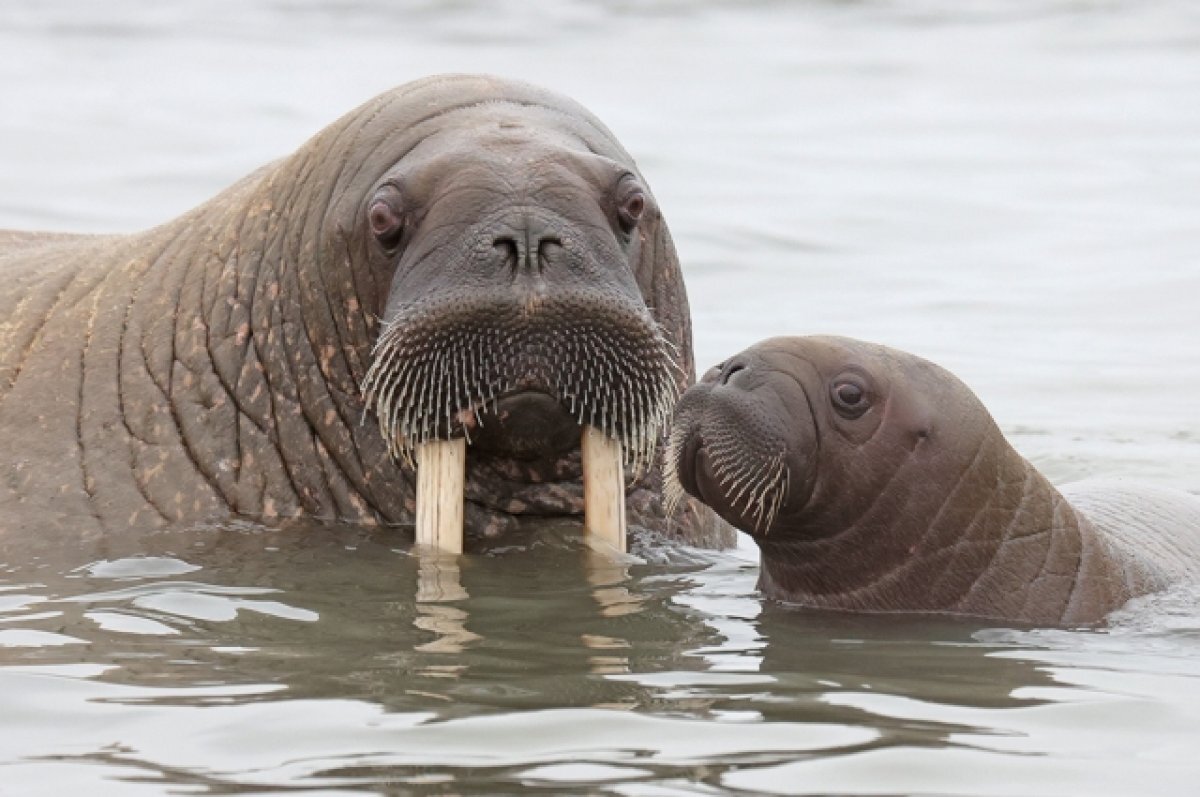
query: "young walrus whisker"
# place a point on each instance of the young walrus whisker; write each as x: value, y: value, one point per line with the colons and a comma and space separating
x: 756, y: 484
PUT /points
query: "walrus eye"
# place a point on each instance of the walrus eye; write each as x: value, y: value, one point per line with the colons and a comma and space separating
x: 631, y: 209
x: 850, y: 397
x: 386, y: 216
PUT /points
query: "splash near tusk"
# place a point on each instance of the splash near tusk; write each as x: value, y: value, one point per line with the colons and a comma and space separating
x: 441, y: 482
x: 603, y: 490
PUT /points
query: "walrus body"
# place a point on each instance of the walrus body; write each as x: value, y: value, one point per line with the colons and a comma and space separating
x: 873, y: 480
x: 460, y: 256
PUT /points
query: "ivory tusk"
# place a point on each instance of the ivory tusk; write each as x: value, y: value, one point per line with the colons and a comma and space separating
x: 441, y: 483
x: 603, y: 490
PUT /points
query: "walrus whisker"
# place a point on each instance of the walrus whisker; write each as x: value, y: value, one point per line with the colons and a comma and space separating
x: 773, y: 488
x: 757, y: 490
x: 428, y: 414
x: 721, y: 466
x: 756, y: 493
x: 443, y: 386
x: 740, y: 481
x: 781, y: 493
x: 619, y: 386
x: 751, y: 501
x: 753, y: 506
x: 673, y: 491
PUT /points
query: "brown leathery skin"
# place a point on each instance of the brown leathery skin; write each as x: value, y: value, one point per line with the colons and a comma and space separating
x: 213, y: 367
x: 909, y: 498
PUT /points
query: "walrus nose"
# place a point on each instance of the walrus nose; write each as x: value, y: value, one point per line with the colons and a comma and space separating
x: 728, y: 369
x: 529, y: 248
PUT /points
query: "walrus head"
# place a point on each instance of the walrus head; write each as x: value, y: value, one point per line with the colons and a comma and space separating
x: 519, y: 260
x: 797, y: 437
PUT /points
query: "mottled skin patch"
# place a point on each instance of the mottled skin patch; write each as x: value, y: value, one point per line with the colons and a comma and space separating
x: 213, y: 367
x: 903, y: 495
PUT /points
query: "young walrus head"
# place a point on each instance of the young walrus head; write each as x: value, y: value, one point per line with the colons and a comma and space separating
x: 796, y: 438
x: 521, y: 259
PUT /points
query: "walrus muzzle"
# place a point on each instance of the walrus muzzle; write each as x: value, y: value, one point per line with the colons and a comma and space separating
x: 729, y: 446
x: 521, y: 380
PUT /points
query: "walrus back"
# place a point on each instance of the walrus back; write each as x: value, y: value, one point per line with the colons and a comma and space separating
x: 68, y: 356
x: 36, y: 269
x: 13, y: 241
x: 1156, y: 527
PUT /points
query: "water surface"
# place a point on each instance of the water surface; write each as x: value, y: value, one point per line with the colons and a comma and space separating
x: 1011, y: 189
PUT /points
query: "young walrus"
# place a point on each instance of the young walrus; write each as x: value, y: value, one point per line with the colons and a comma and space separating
x: 874, y: 480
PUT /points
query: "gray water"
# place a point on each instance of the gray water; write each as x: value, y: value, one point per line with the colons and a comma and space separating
x: 1011, y: 189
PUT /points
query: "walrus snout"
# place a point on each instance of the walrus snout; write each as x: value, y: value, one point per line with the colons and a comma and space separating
x: 730, y: 449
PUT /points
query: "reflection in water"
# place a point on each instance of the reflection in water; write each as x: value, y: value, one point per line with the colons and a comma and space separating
x: 607, y: 573
x: 501, y: 666
x: 439, y: 583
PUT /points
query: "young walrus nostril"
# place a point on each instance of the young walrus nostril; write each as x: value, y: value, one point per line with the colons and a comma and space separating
x: 729, y: 369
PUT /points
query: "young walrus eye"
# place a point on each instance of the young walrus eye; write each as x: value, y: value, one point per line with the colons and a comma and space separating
x: 850, y: 396
x: 385, y: 214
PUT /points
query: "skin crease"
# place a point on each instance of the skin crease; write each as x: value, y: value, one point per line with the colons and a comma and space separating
x: 213, y: 367
x: 903, y: 495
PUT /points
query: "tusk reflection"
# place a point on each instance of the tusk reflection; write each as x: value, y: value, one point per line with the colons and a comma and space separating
x: 607, y: 576
x: 439, y: 583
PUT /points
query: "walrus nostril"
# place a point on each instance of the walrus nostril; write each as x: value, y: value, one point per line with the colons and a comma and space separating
x: 531, y: 252
x: 546, y: 249
x: 510, y: 248
x: 728, y: 370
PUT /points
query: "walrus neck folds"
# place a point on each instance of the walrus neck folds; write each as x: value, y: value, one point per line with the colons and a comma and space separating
x: 255, y: 356
x: 1044, y: 566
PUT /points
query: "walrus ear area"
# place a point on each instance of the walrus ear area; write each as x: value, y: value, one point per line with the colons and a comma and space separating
x: 385, y: 216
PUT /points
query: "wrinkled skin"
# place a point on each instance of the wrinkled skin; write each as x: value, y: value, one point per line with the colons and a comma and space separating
x: 217, y: 366
x: 873, y: 480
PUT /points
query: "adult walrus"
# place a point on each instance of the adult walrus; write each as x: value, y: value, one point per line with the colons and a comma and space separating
x: 461, y: 255
x: 874, y: 480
